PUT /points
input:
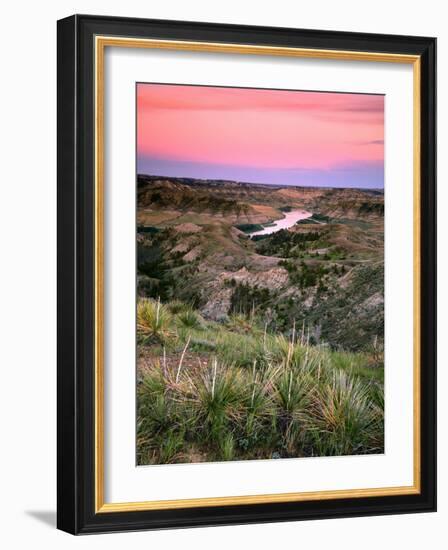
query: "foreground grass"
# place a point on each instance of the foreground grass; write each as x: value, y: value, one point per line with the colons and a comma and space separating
x: 250, y: 394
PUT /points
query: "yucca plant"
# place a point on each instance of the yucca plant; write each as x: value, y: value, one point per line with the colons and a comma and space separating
x: 255, y: 425
x: 152, y: 383
x: 376, y: 391
x: 292, y: 395
x: 154, y: 321
x: 290, y: 352
x: 218, y: 397
x: 344, y: 418
x: 292, y: 391
x: 189, y: 319
x: 155, y: 414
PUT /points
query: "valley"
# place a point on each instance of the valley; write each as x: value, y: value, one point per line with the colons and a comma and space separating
x: 212, y: 245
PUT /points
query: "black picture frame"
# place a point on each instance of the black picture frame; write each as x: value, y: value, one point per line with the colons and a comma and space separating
x: 76, y: 255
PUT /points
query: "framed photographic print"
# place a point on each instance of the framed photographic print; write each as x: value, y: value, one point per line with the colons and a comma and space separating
x: 246, y: 271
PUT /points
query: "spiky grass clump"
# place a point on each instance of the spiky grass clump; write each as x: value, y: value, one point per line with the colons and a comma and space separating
x: 258, y: 426
x: 190, y: 319
x: 345, y: 419
x: 292, y: 395
x: 163, y: 420
x: 154, y: 321
x: 218, y: 397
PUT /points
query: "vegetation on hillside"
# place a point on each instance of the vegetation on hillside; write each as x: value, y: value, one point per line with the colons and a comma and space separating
x: 214, y: 392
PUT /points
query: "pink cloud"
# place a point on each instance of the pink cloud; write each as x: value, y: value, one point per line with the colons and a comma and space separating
x: 264, y: 128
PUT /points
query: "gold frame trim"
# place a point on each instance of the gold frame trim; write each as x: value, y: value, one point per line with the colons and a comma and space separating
x: 101, y: 42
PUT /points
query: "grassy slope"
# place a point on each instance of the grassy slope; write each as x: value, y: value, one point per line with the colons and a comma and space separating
x: 209, y: 391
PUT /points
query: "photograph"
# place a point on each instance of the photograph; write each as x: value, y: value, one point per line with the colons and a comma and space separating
x: 260, y: 273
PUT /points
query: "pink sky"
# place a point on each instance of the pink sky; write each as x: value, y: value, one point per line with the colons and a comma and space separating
x: 260, y: 135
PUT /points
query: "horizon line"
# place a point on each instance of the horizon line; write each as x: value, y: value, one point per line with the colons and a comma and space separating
x: 259, y: 183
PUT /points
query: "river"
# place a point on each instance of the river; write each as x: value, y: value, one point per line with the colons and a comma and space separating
x: 290, y: 219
